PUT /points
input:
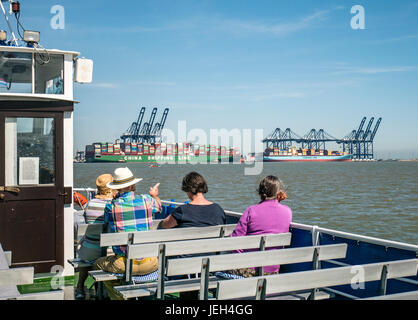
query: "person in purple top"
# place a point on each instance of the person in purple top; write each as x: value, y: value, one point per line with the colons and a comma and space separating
x: 268, y: 216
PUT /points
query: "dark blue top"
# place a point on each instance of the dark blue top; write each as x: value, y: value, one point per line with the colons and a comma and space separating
x: 191, y: 215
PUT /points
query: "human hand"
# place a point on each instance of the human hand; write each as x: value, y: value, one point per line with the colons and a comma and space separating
x: 153, y: 191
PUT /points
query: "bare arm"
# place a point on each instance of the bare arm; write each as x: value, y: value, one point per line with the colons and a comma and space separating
x: 168, y: 223
x: 153, y: 192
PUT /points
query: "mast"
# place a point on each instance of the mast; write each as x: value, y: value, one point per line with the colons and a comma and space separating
x: 8, y: 22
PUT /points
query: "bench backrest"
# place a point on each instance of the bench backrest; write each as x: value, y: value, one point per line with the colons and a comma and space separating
x: 255, y: 259
x: 289, y: 282
x: 175, y: 248
x: 99, y: 228
x: 122, y: 238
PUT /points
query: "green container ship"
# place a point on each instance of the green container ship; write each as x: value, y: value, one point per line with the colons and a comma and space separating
x: 160, y: 153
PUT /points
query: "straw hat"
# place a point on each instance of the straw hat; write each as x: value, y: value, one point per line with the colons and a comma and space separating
x: 122, y: 178
x: 101, y: 184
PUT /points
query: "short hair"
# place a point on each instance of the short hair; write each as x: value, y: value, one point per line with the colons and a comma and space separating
x: 194, y: 183
x: 269, y: 188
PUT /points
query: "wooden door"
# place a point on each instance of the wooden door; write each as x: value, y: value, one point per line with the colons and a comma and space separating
x: 32, y: 188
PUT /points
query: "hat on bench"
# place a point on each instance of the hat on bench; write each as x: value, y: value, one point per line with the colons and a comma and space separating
x: 122, y: 178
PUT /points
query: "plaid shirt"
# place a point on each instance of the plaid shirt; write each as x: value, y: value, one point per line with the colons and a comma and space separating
x: 129, y: 213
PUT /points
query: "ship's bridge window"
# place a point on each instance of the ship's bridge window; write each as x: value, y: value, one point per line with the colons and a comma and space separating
x: 15, y: 72
x: 19, y: 69
x: 49, y: 73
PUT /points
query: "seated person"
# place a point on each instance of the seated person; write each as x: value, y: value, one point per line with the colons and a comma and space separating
x: 268, y: 216
x: 199, y: 212
x: 89, y: 246
x: 128, y: 212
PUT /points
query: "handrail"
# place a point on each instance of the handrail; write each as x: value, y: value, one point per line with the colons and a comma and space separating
x: 318, y: 230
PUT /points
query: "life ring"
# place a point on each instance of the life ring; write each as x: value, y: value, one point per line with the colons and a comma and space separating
x: 80, y: 200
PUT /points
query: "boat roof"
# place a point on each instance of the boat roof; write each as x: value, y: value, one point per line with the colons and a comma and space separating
x: 34, y: 97
x: 29, y: 49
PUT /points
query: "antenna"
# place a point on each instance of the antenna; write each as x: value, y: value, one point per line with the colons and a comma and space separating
x: 7, y: 19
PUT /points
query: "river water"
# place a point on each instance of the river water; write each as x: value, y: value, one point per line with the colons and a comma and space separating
x: 378, y: 199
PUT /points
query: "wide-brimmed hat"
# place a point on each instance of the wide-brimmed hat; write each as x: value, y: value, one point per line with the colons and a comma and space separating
x: 101, y: 184
x: 122, y: 178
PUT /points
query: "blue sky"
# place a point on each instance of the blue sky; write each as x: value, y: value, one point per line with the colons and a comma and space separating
x: 242, y: 64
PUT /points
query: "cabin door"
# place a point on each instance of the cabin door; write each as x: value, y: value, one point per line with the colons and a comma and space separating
x: 32, y: 188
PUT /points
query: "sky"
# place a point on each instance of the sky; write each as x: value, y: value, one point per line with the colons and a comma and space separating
x: 243, y: 64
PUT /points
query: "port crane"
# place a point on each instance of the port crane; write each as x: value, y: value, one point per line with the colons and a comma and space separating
x: 147, y: 132
x: 358, y: 142
x: 132, y: 132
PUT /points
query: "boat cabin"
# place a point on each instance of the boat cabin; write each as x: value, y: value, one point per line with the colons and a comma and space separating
x: 36, y: 154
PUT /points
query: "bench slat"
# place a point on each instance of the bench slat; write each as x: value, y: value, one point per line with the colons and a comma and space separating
x: 99, y: 228
x: 100, y: 275
x: 173, y: 286
x: 208, y: 245
x: 412, y: 295
x: 255, y: 259
x: 16, y: 276
x: 175, y: 234
x: 51, y: 295
x: 121, y: 238
x: 305, y: 280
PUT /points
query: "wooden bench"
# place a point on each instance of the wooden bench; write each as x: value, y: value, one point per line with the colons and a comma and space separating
x: 95, y: 229
x: 213, y: 263
x: 144, y: 237
x: 260, y: 287
x: 11, y: 278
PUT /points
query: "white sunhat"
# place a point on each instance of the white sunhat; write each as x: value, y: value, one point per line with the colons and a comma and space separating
x: 122, y: 178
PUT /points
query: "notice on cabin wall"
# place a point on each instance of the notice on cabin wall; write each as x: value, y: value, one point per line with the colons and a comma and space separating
x: 28, y: 170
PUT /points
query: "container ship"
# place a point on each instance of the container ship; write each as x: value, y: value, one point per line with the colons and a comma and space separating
x: 159, y: 153
x: 294, y: 154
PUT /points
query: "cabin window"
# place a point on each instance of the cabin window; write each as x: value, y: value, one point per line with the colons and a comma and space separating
x: 30, y: 151
x: 15, y: 72
x: 40, y: 72
x: 49, y: 73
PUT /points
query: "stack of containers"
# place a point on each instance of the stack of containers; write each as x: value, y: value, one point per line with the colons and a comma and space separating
x: 152, y: 149
x: 128, y: 148
x: 110, y: 148
x: 140, y: 148
x: 134, y: 150
x: 97, y: 149
x: 116, y: 148
x: 169, y: 149
x: 180, y: 149
x: 146, y: 148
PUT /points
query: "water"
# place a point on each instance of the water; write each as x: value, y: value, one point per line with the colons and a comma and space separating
x: 378, y: 199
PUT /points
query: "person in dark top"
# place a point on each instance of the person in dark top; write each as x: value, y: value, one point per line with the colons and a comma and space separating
x: 199, y: 212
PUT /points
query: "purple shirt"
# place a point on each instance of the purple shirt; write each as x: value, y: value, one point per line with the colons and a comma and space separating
x: 266, y: 217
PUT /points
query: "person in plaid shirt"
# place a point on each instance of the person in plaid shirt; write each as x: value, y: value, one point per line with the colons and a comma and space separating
x: 129, y: 212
